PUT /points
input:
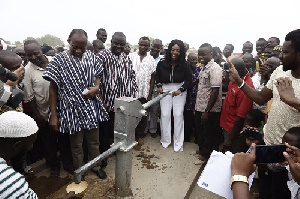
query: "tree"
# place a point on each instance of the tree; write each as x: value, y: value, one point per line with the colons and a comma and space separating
x: 28, y: 38
x: 7, y: 42
x: 17, y: 43
x: 51, y: 40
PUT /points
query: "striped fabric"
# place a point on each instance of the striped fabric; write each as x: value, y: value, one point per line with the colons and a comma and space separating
x: 72, y: 76
x: 13, y: 184
x: 119, y: 78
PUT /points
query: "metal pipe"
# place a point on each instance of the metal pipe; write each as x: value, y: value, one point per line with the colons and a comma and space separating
x: 156, y: 99
x: 81, y: 170
x: 123, y: 173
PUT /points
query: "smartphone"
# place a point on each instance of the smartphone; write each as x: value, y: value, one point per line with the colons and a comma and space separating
x: 226, y: 66
x: 269, y: 154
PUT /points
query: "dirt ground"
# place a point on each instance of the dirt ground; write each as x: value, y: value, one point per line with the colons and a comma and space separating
x: 156, y: 173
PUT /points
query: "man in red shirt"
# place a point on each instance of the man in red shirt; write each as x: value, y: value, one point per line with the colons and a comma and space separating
x: 235, y: 108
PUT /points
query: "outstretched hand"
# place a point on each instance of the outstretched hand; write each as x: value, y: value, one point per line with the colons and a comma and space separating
x: 285, y: 90
x: 234, y: 75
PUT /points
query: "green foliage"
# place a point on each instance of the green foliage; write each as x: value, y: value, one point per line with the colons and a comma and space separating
x: 51, y: 40
x: 28, y: 38
x: 17, y: 43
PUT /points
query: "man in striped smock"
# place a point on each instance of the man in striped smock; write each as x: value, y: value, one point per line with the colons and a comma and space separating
x: 75, y: 106
x: 118, y: 80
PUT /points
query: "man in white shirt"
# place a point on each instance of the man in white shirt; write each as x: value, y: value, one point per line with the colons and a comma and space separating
x: 144, y: 66
x: 156, y: 46
x: 284, y: 87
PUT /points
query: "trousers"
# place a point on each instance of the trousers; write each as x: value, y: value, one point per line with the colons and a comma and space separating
x: 177, y: 104
x: 92, y: 141
x: 153, y: 113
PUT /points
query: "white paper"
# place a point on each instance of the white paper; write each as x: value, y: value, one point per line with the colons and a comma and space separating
x: 217, y: 174
x: 85, y: 91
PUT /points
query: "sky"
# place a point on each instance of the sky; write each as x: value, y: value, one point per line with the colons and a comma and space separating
x: 217, y: 22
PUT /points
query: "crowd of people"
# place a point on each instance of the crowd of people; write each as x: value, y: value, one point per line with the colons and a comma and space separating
x: 225, y: 101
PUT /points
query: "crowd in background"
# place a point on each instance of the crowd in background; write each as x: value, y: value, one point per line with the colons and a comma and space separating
x: 224, y: 101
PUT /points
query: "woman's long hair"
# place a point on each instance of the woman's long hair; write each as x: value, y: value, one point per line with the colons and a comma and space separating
x: 181, y: 58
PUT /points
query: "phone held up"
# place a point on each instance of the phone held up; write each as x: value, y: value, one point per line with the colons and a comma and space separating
x: 269, y: 154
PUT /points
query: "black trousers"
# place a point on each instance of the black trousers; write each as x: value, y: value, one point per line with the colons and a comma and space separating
x: 104, y: 132
x: 140, y: 129
x: 209, y: 133
x: 189, y: 125
x: 273, y: 185
x: 47, y: 145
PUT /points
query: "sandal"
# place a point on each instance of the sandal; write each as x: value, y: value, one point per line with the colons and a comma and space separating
x: 28, y: 169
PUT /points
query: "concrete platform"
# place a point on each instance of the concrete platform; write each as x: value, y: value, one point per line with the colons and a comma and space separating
x: 157, y: 173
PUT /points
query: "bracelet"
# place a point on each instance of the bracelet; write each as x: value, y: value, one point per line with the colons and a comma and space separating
x: 241, y: 86
x: 238, y: 178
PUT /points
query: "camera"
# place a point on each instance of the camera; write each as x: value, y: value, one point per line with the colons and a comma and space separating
x: 225, y: 66
x: 9, y: 96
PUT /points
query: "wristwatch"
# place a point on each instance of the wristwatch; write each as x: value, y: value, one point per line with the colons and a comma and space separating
x: 238, y: 178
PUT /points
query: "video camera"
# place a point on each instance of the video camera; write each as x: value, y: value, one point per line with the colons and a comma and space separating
x: 9, y: 95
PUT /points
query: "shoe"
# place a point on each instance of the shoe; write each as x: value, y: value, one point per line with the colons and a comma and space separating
x: 28, y: 169
x: 153, y: 135
x: 55, y: 172
x: 100, y: 173
x: 140, y: 141
x: 103, y: 163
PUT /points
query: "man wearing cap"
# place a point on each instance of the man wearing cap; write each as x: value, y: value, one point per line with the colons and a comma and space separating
x: 17, y: 134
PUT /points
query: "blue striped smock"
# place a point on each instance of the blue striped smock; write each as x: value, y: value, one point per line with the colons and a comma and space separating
x: 119, y: 78
x: 72, y: 76
x: 13, y: 184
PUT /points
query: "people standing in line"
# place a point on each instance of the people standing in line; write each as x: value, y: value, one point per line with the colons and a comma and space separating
x: 186, y: 48
x: 273, y: 41
x: 144, y: 66
x: 268, y: 52
x: 174, y: 76
x: 189, y: 108
x: 101, y: 35
x: 247, y: 48
x: 127, y: 49
x: 250, y: 63
x: 75, y: 105
x: 261, y: 44
x: 154, y: 110
x: 98, y: 46
x: 234, y: 110
x: 227, y: 51
x: 217, y: 55
x: 118, y: 80
x: 36, y: 91
x: 284, y: 88
x: 208, y: 103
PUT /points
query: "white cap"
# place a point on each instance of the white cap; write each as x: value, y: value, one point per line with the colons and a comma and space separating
x: 15, y: 124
